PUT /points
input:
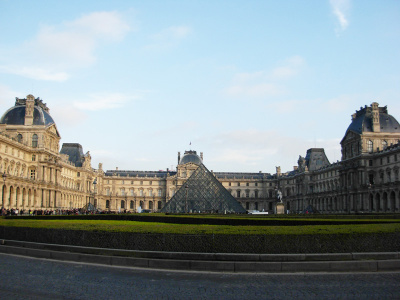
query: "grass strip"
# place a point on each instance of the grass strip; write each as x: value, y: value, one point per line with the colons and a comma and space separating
x: 170, y: 228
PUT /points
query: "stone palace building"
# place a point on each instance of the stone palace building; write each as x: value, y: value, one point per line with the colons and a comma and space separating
x: 36, y: 174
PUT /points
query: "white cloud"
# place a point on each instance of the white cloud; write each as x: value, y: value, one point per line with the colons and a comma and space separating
x: 58, y: 49
x: 168, y: 37
x: 172, y: 33
x: 35, y: 73
x: 265, y: 83
x: 103, y: 101
x: 6, y: 94
x: 340, y: 8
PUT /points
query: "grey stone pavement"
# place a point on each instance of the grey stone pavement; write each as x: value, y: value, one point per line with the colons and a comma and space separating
x: 32, y: 278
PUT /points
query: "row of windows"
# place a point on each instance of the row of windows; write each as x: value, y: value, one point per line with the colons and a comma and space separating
x: 131, y: 204
x: 34, y: 140
x: 132, y: 182
x: 247, y: 184
x: 247, y: 194
x: 132, y: 193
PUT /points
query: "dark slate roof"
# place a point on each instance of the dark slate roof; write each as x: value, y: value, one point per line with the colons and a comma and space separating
x: 316, y: 159
x: 75, y: 153
x: 363, y: 121
x: 190, y: 157
x: 141, y: 174
x: 232, y: 175
x: 16, y: 116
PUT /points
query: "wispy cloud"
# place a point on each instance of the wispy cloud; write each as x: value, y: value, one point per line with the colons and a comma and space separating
x: 172, y: 33
x: 35, y: 73
x: 103, y: 101
x: 6, y: 94
x: 58, y: 49
x: 340, y: 8
x: 169, y: 37
x: 265, y: 83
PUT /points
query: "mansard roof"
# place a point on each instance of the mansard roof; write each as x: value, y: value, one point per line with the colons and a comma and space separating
x: 74, y: 152
x: 141, y: 174
x: 16, y: 114
x: 362, y: 121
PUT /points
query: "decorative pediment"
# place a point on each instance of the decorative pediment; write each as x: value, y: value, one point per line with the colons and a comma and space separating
x: 53, y: 129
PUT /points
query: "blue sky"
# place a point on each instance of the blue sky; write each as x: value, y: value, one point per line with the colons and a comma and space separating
x: 252, y: 84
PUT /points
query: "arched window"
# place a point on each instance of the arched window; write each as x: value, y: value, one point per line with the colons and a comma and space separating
x: 107, y: 203
x: 384, y: 145
x: 131, y: 206
x: 34, y: 141
x: 122, y: 204
x: 370, y: 146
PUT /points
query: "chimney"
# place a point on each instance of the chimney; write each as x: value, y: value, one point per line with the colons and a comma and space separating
x: 278, y: 171
x: 201, y: 156
x: 116, y: 168
x: 353, y: 116
x: 179, y: 157
x: 376, y: 126
x: 30, y: 102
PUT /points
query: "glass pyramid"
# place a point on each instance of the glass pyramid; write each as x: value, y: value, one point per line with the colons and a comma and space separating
x: 203, y: 193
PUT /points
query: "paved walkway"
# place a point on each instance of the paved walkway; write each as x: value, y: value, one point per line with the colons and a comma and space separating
x: 33, y: 278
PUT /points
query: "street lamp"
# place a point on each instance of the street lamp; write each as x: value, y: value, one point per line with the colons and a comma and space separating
x: 94, y: 192
x: 186, y: 205
x: 4, y: 189
x: 109, y: 203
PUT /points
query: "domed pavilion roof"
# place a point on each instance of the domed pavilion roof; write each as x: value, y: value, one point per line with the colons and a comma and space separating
x: 362, y: 121
x: 190, y: 157
x: 16, y: 114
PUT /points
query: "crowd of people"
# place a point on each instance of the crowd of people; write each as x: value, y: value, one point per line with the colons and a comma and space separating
x: 41, y: 212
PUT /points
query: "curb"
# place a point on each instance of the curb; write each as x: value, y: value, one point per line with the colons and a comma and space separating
x: 210, y: 262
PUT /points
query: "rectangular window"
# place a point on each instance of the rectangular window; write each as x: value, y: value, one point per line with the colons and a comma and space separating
x: 247, y: 184
x: 131, y: 192
x: 388, y: 159
x: 33, y: 174
x: 141, y: 193
x: 159, y: 193
x: 238, y: 183
x: 256, y: 184
x: 370, y: 163
x: 108, y: 192
x: 150, y: 182
x: 247, y: 194
x: 150, y: 193
x: 33, y: 157
x: 255, y: 194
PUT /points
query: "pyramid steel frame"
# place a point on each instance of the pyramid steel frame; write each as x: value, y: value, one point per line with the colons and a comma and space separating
x: 203, y: 193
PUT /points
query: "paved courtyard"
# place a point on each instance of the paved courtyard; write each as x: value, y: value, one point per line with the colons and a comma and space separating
x: 30, y: 278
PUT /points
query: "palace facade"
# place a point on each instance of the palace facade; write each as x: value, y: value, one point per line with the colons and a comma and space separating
x: 37, y: 174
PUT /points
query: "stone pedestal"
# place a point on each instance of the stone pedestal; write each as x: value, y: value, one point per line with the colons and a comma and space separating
x: 280, y: 208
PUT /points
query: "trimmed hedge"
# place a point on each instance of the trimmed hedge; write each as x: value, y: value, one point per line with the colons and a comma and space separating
x: 231, y: 220
x: 211, y: 243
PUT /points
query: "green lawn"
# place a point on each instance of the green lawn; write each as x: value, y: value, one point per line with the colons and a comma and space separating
x: 154, y: 227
